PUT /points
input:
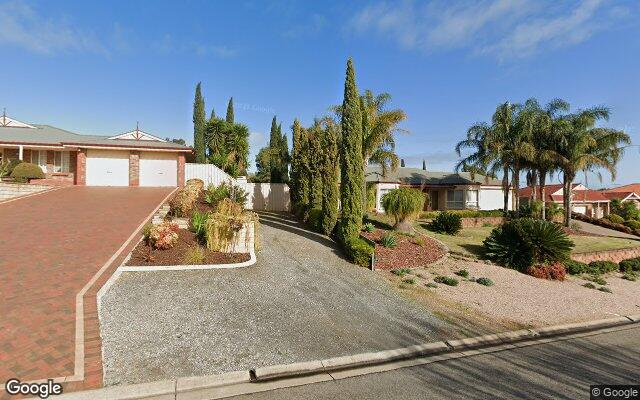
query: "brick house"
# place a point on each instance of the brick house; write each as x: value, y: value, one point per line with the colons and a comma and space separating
x: 627, y: 193
x: 133, y: 158
x: 445, y: 190
x: 585, y: 201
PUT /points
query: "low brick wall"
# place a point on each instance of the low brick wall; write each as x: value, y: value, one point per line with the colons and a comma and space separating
x: 11, y: 190
x: 481, y: 221
x: 608, y: 255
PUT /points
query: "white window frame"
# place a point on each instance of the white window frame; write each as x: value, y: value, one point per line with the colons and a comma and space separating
x: 41, y: 159
x: 455, y: 204
x: 61, y: 161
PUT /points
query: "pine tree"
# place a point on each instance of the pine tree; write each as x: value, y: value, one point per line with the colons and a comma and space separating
x: 330, y: 176
x: 230, y: 116
x: 199, y: 127
x: 351, y: 160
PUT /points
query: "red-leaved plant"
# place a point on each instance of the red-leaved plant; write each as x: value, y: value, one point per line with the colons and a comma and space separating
x: 164, y: 236
x: 554, y: 272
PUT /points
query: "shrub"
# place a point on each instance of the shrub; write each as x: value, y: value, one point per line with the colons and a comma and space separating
x: 605, y: 289
x: 463, y: 273
x: 25, y: 171
x: 532, y: 209
x: 222, y: 226
x: 420, y: 241
x: 525, y: 242
x: 183, y: 201
x: 369, y: 227
x: 589, y: 285
x: 446, y: 280
x: 431, y: 285
x: 146, y: 232
x: 404, y: 205
x: 576, y: 267
x: 602, y: 267
x: 194, y: 255
x: 447, y: 223
x: 215, y: 194
x: 596, y: 279
x: 198, y: 223
x: 314, y: 219
x: 164, y: 236
x: 7, y: 166
x: 630, y: 276
x: 615, y: 218
x: 554, y: 272
x: 359, y: 251
x: 554, y: 210
x: 389, y: 241
x: 410, y: 281
x: 632, y: 223
x: 401, y: 272
x: 484, y: 281
x: 631, y: 264
x: 195, y: 182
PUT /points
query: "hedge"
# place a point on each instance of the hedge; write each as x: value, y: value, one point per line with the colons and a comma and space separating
x: 629, y: 265
x: 25, y: 171
x: 359, y: 251
x: 605, y: 223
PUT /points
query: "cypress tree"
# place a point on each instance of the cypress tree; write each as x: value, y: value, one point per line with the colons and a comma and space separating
x: 424, y: 165
x: 351, y: 160
x: 296, y: 156
x: 230, y: 116
x: 402, y: 162
x: 274, y: 146
x: 315, y: 166
x: 330, y: 177
x: 304, y: 183
x: 213, y: 115
x: 199, y: 126
x: 285, y: 158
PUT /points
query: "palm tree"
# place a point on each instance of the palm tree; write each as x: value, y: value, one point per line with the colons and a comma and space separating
x: 584, y: 147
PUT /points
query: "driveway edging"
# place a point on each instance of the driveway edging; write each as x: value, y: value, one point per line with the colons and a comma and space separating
x: 302, y: 373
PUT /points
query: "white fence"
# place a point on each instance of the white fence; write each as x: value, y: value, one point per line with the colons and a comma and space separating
x: 262, y: 196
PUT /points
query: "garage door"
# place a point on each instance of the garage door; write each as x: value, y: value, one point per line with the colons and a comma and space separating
x: 158, y: 169
x: 107, y: 168
x: 580, y: 209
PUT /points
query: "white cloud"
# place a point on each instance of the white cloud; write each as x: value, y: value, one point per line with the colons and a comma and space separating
x: 21, y: 26
x: 502, y: 28
x: 312, y: 27
x: 168, y: 45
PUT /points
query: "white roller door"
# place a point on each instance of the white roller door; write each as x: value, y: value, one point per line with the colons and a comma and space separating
x: 158, y: 169
x: 107, y: 168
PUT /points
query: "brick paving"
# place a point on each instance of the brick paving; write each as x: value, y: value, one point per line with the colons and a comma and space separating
x: 51, y: 245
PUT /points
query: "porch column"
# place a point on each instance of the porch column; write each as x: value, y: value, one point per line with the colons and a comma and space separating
x: 20, y: 152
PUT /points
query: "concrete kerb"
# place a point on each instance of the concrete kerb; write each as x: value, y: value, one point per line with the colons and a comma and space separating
x: 279, y: 376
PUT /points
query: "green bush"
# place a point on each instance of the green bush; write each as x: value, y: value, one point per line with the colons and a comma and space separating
x: 197, y: 224
x: 484, y: 281
x: 576, y: 267
x: 532, y: 209
x: 615, y: 218
x: 464, y: 213
x: 401, y: 272
x: 602, y: 267
x: 25, y: 171
x: 447, y: 222
x: 525, y: 242
x: 7, y: 166
x: 631, y: 264
x: 389, y: 241
x: 589, y: 285
x: 632, y: 223
x: 215, y: 194
x: 431, y: 285
x: 446, y: 280
x: 463, y: 273
x: 630, y: 276
x: 605, y: 289
x: 368, y: 227
x: 359, y: 251
x: 314, y: 219
x: 596, y: 279
x: 410, y: 281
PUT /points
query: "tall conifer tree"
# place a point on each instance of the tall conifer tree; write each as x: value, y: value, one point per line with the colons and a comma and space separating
x: 199, y: 126
x: 330, y: 176
x: 230, y: 115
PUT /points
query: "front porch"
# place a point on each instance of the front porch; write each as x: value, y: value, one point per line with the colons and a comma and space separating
x: 440, y: 198
x: 59, y: 166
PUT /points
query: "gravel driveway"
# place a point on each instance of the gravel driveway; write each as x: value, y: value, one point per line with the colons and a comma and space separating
x: 300, y: 301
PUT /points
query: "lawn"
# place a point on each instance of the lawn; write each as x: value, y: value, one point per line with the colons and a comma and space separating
x: 469, y: 241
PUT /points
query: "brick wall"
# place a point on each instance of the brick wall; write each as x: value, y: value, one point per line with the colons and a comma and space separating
x: 134, y: 168
x: 609, y: 255
x: 81, y: 167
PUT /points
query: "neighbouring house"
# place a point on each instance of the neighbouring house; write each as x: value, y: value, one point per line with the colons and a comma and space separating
x: 445, y: 190
x: 627, y: 193
x: 133, y: 158
x: 583, y: 200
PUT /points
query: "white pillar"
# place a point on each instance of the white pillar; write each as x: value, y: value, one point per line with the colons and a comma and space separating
x: 20, y: 152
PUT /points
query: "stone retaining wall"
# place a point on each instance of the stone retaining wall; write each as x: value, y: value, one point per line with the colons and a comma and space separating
x: 608, y: 255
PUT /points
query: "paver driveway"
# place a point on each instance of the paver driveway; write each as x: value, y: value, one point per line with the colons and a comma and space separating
x: 300, y: 301
x: 51, y: 245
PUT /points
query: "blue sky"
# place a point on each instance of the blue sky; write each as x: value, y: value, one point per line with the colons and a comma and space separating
x: 98, y: 67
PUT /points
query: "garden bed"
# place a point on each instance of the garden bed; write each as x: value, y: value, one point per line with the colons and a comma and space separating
x: 146, y: 255
x: 410, y: 252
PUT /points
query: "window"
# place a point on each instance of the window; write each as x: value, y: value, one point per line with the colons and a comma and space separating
x: 39, y: 157
x: 61, y: 161
x: 472, y: 199
x: 455, y: 199
x: 382, y: 193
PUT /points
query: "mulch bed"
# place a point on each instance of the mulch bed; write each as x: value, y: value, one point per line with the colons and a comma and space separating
x: 407, y: 253
x: 144, y: 254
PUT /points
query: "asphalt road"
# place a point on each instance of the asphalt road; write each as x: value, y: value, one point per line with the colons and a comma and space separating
x: 557, y: 370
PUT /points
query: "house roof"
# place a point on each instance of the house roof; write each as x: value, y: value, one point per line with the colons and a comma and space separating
x: 633, y: 187
x: 619, y: 195
x: 579, y: 194
x: 417, y: 176
x: 36, y: 134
